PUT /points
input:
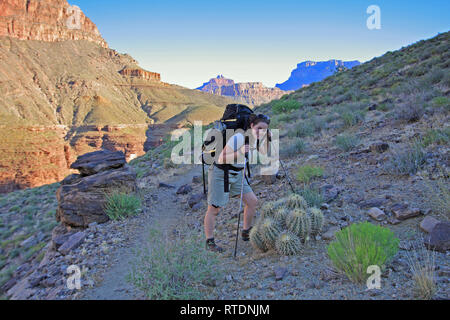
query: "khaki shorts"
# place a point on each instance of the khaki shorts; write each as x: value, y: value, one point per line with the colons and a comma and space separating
x: 216, y: 195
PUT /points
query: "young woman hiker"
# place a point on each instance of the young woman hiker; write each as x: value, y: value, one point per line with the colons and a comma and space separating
x: 233, y: 154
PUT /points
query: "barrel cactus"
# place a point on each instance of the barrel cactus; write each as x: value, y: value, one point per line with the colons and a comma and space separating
x: 257, y: 239
x: 317, y: 220
x: 268, y: 210
x: 281, y: 216
x: 299, y: 223
x: 288, y: 244
x: 270, y: 231
x: 295, y: 201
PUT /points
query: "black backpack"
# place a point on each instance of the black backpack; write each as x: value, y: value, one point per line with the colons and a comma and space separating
x: 235, y: 117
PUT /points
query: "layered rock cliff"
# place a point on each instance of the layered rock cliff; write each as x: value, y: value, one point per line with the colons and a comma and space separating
x: 253, y: 93
x: 46, y: 20
x: 310, y: 71
x: 70, y: 94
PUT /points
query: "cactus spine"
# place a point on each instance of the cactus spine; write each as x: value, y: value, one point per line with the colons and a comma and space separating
x: 257, y: 239
x: 270, y: 231
x: 295, y: 201
x: 317, y: 220
x: 299, y: 223
x: 268, y: 210
x: 288, y: 244
x: 281, y: 217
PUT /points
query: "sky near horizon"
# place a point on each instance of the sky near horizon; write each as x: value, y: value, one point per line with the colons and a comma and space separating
x: 189, y: 42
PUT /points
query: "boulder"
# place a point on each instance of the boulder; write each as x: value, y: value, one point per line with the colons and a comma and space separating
x: 428, y: 224
x: 379, y: 147
x: 185, y: 189
x: 439, y: 238
x: 82, y: 203
x: 403, y: 212
x: 73, y: 242
x: 99, y: 161
x: 377, y: 214
x: 196, y: 198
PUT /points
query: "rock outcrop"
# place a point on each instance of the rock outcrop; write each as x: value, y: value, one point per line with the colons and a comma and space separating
x: 253, y: 93
x: 310, y: 71
x: 46, y: 20
x: 140, y: 74
x: 81, y: 198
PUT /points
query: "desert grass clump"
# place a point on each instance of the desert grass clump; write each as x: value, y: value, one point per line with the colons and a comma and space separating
x: 288, y: 244
x: 257, y: 239
x: 346, y: 142
x: 312, y: 195
x: 317, y: 220
x: 422, y: 265
x: 120, y: 205
x: 270, y: 231
x: 168, y: 268
x: 299, y: 223
x: 408, y: 161
x: 362, y: 245
x: 293, y: 147
x: 296, y: 201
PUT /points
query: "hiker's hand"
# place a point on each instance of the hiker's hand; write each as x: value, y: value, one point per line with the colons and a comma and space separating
x: 245, y: 149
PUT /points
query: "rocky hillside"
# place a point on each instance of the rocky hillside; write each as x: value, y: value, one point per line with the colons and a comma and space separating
x: 310, y: 71
x: 371, y: 144
x: 251, y: 93
x: 68, y: 94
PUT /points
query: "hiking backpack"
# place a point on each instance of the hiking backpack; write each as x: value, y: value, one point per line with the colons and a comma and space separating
x: 235, y: 117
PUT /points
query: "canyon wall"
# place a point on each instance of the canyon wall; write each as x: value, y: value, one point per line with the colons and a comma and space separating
x: 252, y: 93
x: 46, y: 20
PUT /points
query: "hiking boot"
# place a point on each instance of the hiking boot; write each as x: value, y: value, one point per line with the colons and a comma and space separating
x: 212, y: 246
x: 246, y: 234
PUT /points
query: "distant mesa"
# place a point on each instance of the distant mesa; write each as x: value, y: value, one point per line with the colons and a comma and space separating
x: 140, y: 74
x: 46, y: 20
x: 253, y: 93
x: 310, y: 71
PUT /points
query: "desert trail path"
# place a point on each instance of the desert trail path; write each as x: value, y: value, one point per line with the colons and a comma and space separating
x: 166, y: 213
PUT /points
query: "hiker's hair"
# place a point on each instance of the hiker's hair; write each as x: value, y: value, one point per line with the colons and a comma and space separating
x: 255, y: 119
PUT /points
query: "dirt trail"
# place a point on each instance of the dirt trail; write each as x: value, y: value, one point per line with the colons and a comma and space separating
x: 167, y: 213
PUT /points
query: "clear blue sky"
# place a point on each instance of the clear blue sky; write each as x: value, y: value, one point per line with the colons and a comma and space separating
x: 189, y: 42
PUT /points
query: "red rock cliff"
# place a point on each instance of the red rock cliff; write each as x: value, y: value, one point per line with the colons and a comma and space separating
x: 46, y: 20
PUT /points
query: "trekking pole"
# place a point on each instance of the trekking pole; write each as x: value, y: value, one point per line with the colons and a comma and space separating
x: 240, y: 203
x: 287, y: 176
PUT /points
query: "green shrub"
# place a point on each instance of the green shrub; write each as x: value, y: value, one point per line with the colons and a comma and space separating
x: 436, y: 136
x: 283, y: 106
x: 313, y: 196
x: 306, y: 173
x: 352, y: 118
x: 175, y: 269
x: 408, y: 161
x: 362, y: 245
x: 292, y: 147
x: 346, y: 142
x: 120, y: 205
x: 441, y: 102
x: 301, y: 130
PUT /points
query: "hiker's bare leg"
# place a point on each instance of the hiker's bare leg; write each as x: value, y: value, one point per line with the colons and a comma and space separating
x: 251, y: 202
x: 210, y: 221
